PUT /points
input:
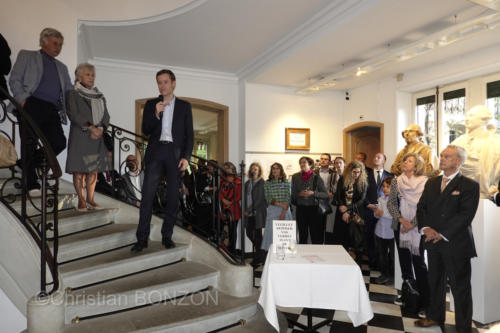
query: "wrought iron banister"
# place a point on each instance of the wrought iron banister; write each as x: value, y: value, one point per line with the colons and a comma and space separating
x: 49, y: 172
x: 122, y: 143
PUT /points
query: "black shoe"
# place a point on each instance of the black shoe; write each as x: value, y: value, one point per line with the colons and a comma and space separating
x: 256, y: 263
x: 382, y: 279
x: 399, y: 300
x: 168, y: 243
x: 139, y: 246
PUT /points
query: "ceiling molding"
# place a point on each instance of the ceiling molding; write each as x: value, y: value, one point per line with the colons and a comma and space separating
x: 430, y: 43
x: 147, y: 68
x: 176, y: 12
x: 459, y: 75
x: 330, y: 17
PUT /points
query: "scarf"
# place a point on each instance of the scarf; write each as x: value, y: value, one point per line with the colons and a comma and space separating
x: 410, y: 190
x: 96, y: 101
x: 306, y: 175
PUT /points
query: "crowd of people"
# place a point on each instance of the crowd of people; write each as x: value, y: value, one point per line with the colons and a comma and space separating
x: 364, y: 210
x: 372, y: 212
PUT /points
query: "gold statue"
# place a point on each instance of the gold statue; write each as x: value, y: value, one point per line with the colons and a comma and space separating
x: 413, y: 137
x: 483, y: 149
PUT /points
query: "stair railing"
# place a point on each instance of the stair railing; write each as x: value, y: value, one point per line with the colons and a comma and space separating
x: 33, y: 215
x: 122, y: 144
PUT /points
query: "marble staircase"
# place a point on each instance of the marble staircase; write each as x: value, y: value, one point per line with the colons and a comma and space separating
x: 109, y: 289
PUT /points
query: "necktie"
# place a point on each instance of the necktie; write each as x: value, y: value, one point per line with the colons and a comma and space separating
x: 443, y: 183
x: 379, y: 178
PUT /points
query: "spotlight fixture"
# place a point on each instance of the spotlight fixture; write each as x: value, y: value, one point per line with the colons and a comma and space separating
x: 347, y: 96
x: 448, y: 36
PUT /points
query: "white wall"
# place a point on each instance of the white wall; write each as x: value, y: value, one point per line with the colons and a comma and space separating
x: 22, y: 21
x: 380, y: 102
x: 124, y: 82
x: 271, y: 109
x: 12, y: 319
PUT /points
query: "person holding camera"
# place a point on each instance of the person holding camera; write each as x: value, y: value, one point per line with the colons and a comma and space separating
x: 133, y: 180
x: 230, y: 201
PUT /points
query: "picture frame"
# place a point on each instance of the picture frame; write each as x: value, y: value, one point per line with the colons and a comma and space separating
x: 297, y: 138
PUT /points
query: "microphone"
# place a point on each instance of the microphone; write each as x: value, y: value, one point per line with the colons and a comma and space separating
x: 161, y: 113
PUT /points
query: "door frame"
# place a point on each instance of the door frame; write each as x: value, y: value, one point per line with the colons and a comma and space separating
x: 347, y: 131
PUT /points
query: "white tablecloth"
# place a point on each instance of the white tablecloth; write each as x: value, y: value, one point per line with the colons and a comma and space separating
x: 320, y: 276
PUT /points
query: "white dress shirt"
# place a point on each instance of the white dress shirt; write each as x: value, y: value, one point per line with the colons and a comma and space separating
x: 166, y: 122
x: 450, y: 178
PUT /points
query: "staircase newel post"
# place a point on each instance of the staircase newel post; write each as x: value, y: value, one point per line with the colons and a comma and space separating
x: 243, y: 220
x: 43, y: 226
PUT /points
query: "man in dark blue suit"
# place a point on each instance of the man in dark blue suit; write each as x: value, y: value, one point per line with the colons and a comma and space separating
x: 169, y: 123
x: 444, y: 213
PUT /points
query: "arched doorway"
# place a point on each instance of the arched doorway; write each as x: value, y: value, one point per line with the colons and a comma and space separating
x: 367, y: 137
x: 211, y: 127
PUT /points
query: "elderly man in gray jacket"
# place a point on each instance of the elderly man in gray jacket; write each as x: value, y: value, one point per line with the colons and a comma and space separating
x: 39, y: 82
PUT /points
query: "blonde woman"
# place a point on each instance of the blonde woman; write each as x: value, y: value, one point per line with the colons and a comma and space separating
x: 406, y: 190
x: 255, y: 210
x: 350, y: 197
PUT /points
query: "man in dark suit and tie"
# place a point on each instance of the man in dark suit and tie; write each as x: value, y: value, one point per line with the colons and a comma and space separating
x: 375, y: 178
x: 445, y: 213
x: 169, y: 123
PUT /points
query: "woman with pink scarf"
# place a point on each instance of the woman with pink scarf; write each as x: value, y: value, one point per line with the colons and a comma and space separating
x: 406, y: 190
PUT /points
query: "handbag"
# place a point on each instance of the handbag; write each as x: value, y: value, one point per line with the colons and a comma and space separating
x: 356, y: 228
x: 108, y: 141
x: 410, y: 296
x: 356, y: 234
x: 324, y: 207
x: 8, y: 154
x: 356, y: 218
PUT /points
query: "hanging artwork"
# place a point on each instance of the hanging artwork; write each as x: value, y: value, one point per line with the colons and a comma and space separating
x: 297, y: 138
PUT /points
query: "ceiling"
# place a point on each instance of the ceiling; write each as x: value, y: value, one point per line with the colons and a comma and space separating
x: 289, y: 42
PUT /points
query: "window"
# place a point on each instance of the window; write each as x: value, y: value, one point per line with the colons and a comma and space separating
x: 493, y: 102
x: 453, y: 111
x: 427, y: 120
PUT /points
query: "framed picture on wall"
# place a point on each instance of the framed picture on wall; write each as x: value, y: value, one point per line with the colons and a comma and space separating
x: 297, y: 138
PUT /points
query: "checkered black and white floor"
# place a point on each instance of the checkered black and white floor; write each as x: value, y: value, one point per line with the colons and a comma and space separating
x: 388, y: 317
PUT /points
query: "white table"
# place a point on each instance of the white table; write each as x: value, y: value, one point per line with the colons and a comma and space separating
x: 320, y: 276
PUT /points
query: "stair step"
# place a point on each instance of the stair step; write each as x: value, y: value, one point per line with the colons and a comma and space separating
x: 140, y: 289
x: 202, y: 312
x: 5, y: 172
x: 94, y: 241
x: 71, y: 221
x: 65, y: 201
x: 10, y: 187
x: 118, y: 263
